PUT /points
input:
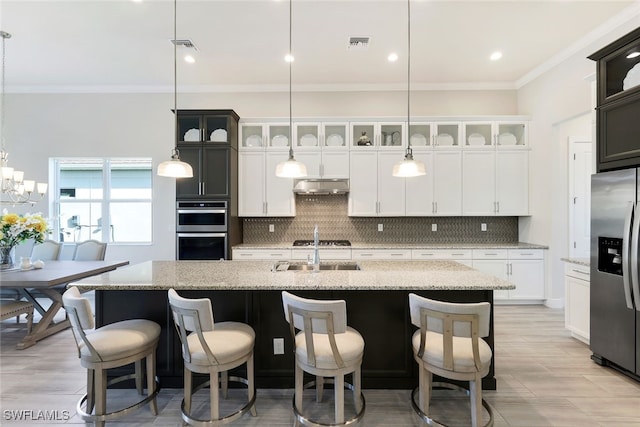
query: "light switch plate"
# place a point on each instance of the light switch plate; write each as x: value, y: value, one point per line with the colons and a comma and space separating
x: 272, y: 228
x: 278, y: 346
x: 483, y: 227
x: 380, y: 227
x: 434, y: 227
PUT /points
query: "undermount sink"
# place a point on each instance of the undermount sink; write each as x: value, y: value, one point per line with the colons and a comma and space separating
x: 323, y: 266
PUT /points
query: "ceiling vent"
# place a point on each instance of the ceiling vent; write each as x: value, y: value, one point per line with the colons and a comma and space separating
x: 358, y: 43
x: 184, y: 43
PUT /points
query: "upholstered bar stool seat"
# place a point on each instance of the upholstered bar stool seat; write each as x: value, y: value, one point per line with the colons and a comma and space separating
x: 324, y: 347
x: 214, y: 349
x: 449, y: 344
x: 111, y: 346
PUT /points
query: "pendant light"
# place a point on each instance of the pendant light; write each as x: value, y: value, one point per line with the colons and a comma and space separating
x: 175, y: 168
x: 291, y: 168
x: 408, y: 167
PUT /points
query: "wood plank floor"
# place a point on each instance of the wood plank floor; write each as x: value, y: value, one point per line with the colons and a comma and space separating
x: 545, y: 378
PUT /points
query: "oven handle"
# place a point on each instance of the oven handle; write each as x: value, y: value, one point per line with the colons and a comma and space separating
x: 202, y: 234
x: 188, y: 211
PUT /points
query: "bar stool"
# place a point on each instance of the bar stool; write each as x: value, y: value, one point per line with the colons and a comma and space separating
x: 448, y: 344
x: 324, y: 347
x: 111, y: 346
x: 212, y: 348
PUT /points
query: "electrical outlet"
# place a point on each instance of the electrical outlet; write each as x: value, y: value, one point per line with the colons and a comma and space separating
x: 278, y: 346
x: 434, y: 227
x: 272, y: 228
x: 380, y: 227
x: 483, y: 227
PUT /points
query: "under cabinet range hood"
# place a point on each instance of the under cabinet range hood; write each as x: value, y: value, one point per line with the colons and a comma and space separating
x: 321, y: 186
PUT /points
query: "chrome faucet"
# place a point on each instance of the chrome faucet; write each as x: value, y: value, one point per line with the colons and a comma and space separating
x: 315, y: 261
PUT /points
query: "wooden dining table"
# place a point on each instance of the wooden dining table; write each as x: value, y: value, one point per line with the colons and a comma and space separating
x: 49, y: 281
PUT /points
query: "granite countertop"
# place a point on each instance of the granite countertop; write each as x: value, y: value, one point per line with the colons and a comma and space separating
x: 580, y: 261
x: 515, y: 245
x: 250, y: 275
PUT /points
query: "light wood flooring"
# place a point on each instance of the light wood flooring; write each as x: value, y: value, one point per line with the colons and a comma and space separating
x: 545, y: 378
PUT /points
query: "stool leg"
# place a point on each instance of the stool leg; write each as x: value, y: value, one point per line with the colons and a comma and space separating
x: 90, y: 391
x: 101, y: 394
x: 138, y: 365
x: 251, y: 383
x: 214, y: 393
x: 339, y: 398
x: 151, y: 380
x: 299, y: 386
x: 188, y: 390
x: 425, y: 388
x: 357, y: 389
x: 319, y: 388
x: 224, y: 380
x: 475, y: 394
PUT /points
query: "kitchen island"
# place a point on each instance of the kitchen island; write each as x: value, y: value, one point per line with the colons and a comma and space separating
x: 250, y: 292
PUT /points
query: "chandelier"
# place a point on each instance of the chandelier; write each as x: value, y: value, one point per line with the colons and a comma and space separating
x: 15, y: 189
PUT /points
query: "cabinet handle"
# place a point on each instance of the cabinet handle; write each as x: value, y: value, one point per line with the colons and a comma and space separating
x: 581, y: 272
x: 436, y: 207
x: 490, y: 254
x: 366, y: 254
x: 264, y: 208
x: 203, y: 190
x: 498, y: 207
x: 397, y: 254
x: 526, y: 254
x: 457, y: 254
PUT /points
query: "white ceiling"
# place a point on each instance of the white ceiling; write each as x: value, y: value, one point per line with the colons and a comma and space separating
x: 88, y: 45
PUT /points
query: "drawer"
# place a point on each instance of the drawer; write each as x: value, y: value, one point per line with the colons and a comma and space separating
x: 526, y: 254
x: 383, y: 254
x: 325, y: 254
x: 577, y: 271
x: 257, y: 255
x: 490, y: 254
x: 422, y: 254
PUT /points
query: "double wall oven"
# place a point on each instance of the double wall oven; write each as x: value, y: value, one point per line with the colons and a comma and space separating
x: 202, y: 229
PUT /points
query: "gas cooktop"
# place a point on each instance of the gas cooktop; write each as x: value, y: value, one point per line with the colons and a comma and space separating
x: 322, y: 243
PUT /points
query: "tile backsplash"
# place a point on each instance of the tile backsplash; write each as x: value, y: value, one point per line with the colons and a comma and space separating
x: 330, y: 213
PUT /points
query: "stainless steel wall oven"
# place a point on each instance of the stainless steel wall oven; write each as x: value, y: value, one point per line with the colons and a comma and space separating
x: 202, y: 230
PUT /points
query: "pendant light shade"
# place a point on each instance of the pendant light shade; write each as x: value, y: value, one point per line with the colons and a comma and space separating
x: 409, y: 167
x: 175, y: 168
x: 290, y: 168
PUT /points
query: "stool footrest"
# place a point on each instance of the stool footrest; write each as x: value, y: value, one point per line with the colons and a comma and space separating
x: 431, y: 421
x: 115, y: 414
x: 223, y: 420
x: 300, y: 418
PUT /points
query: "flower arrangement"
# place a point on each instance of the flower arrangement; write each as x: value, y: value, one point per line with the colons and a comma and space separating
x: 16, y: 228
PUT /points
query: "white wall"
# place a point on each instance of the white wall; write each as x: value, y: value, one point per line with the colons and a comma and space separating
x: 560, y: 104
x: 41, y: 126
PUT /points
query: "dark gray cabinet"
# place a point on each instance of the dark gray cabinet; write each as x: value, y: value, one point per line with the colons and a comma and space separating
x: 618, y: 103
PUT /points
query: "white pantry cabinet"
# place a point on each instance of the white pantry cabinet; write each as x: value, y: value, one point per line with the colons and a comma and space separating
x: 523, y: 267
x: 260, y: 191
x: 373, y: 190
x: 577, y: 300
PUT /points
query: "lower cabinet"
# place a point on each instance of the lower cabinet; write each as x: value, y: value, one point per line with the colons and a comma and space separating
x: 577, y: 299
x: 261, y: 254
x: 524, y: 268
x: 463, y: 256
x: 381, y: 254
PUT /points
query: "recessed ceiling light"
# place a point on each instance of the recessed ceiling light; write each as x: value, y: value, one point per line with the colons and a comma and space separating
x: 393, y: 57
x: 496, y: 55
x: 633, y: 55
x: 289, y: 57
x: 190, y: 59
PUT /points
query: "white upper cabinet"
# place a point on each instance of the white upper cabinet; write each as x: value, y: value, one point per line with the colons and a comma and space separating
x: 260, y: 191
x: 446, y: 135
x: 373, y: 190
x: 479, y: 183
x: 447, y: 183
x: 419, y: 190
x: 323, y: 148
x: 383, y: 135
x: 512, y: 183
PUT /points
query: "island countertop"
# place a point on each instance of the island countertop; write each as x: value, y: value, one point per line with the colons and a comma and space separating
x: 249, y: 275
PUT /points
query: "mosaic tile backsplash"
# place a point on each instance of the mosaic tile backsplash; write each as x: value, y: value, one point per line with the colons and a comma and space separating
x: 330, y: 213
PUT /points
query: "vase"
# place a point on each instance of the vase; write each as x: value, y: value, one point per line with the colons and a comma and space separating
x: 6, y: 257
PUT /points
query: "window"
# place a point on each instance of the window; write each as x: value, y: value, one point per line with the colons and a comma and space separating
x: 103, y: 199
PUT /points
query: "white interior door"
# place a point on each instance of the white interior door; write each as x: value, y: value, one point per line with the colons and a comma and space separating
x: 580, y: 169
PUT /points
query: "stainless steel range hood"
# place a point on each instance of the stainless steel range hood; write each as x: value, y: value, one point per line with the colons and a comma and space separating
x: 321, y: 186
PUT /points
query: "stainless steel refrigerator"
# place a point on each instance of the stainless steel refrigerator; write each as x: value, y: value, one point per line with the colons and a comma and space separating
x: 615, y: 275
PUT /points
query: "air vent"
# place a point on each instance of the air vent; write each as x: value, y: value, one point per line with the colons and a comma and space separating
x: 358, y: 43
x: 184, y: 43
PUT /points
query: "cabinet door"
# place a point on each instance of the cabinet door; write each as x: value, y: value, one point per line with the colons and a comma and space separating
x: 447, y: 186
x: 279, y: 191
x: 512, y: 183
x: 190, y: 187
x: 478, y: 183
x: 528, y: 276
x: 419, y: 189
x: 391, y: 192
x: 251, y: 172
x: 363, y: 191
x: 215, y: 172
x: 335, y: 164
x: 577, y: 306
x: 312, y: 161
x: 495, y: 267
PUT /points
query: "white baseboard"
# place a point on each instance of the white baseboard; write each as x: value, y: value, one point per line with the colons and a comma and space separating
x: 554, y: 302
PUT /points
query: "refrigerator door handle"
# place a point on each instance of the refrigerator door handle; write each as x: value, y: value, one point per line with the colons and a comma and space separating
x: 626, y: 255
x: 633, y: 260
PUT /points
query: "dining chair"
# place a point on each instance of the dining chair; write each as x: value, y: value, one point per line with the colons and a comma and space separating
x: 325, y: 347
x: 449, y: 344
x: 49, y: 250
x: 90, y: 250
